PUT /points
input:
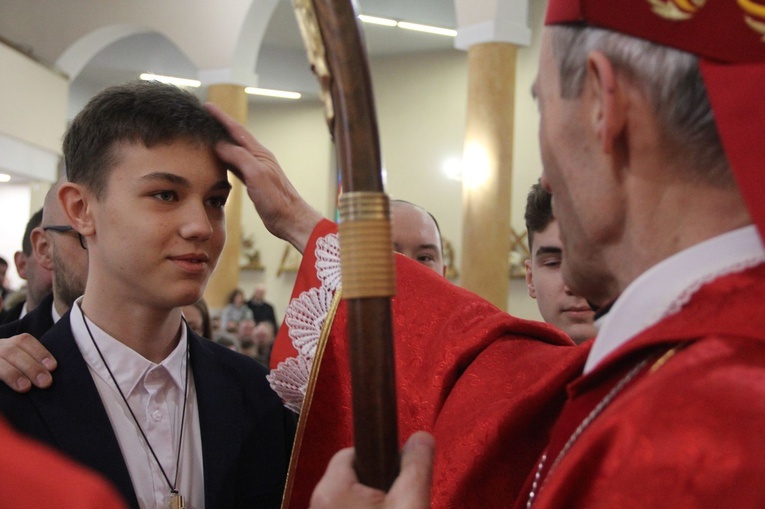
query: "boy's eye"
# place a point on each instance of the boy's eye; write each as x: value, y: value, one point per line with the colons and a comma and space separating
x: 218, y: 201
x: 165, y: 195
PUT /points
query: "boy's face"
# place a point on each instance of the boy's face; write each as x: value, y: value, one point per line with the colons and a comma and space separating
x: 557, y: 303
x: 160, y: 225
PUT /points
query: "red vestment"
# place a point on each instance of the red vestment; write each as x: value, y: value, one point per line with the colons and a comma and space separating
x: 35, y: 476
x: 687, y: 430
x: 486, y: 384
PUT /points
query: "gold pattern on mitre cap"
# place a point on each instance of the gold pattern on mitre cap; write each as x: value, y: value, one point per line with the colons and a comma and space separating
x: 754, y: 15
x: 676, y: 10
x: 727, y: 38
x: 722, y: 31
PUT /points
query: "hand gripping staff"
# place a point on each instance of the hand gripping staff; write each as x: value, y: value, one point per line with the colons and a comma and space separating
x: 336, y: 51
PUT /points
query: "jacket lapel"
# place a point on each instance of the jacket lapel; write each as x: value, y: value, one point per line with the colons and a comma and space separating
x: 219, y: 402
x: 75, y: 415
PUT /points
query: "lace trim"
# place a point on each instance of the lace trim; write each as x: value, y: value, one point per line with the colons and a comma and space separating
x: 305, y: 317
x: 686, y: 295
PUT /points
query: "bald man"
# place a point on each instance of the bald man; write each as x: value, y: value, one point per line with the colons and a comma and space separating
x: 56, y: 247
x: 416, y: 235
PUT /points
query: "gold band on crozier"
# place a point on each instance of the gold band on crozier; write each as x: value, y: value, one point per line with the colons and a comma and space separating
x: 366, y: 245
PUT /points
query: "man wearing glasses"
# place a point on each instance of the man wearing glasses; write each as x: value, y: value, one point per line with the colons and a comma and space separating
x: 59, y: 248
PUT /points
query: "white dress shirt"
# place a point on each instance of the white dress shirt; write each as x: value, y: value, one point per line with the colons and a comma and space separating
x: 155, y: 393
x: 666, y: 287
x: 54, y: 314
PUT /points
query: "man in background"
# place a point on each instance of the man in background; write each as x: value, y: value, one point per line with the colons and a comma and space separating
x: 38, y: 278
x: 57, y: 247
x: 416, y: 235
x: 557, y: 304
x: 262, y: 311
x: 3, y: 273
x: 3, y: 289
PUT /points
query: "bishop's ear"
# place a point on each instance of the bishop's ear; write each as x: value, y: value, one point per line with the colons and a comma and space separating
x: 76, y: 203
x: 606, y: 97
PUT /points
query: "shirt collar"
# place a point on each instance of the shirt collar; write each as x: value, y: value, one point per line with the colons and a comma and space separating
x: 53, y: 313
x: 127, y: 365
x: 663, y: 289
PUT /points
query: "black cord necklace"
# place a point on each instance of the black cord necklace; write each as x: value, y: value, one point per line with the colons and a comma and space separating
x: 176, y: 500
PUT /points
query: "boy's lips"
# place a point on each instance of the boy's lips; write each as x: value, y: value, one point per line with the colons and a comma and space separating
x: 192, y: 262
x: 578, y: 310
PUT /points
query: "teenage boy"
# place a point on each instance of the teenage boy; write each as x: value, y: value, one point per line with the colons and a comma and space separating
x: 557, y: 304
x: 137, y: 396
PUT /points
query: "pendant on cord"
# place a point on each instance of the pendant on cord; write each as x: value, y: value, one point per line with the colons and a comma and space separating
x: 176, y: 501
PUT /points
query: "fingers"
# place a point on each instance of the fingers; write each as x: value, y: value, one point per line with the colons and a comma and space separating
x: 240, y: 134
x: 25, y: 362
x: 340, y: 487
x: 411, y: 490
x: 284, y: 212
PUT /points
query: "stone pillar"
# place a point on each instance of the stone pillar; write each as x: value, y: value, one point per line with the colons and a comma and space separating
x: 490, y: 31
x: 232, y: 100
x: 488, y: 170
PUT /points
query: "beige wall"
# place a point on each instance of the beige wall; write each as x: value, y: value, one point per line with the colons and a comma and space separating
x: 33, y: 101
x: 527, y: 163
x: 299, y: 138
x: 420, y: 102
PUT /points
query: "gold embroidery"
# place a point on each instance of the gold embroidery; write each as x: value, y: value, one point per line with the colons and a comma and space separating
x: 667, y: 355
x: 676, y: 10
x: 753, y: 11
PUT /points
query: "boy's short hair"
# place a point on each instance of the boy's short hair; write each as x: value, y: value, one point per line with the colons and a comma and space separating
x: 147, y: 112
x: 538, y: 211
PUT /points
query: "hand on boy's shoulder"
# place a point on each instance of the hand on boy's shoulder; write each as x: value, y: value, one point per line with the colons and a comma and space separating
x: 24, y: 363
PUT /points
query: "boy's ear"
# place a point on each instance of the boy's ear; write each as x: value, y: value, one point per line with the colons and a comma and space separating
x: 76, y: 204
x: 41, y: 248
x: 530, y: 281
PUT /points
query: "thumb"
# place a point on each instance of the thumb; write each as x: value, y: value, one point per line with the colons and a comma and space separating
x: 412, y: 487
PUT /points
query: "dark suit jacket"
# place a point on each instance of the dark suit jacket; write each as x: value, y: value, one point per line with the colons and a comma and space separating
x: 37, y: 322
x: 246, y: 431
x: 13, y: 314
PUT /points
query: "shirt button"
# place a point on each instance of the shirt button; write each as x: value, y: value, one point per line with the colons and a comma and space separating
x: 156, y: 415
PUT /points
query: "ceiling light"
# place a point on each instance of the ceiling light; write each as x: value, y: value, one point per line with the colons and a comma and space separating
x: 377, y: 21
x: 427, y: 28
x: 282, y: 94
x: 4, y: 177
x: 179, y: 82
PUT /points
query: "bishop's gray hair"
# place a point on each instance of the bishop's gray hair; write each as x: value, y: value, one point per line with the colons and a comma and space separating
x: 669, y: 79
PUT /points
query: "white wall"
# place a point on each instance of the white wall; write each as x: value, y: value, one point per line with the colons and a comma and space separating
x: 421, y: 104
x: 299, y: 138
x: 33, y: 102
x: 13, y: 199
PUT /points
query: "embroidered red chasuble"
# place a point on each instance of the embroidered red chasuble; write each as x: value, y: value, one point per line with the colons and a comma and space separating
x: 486, y: 384
x: 687, y: 430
